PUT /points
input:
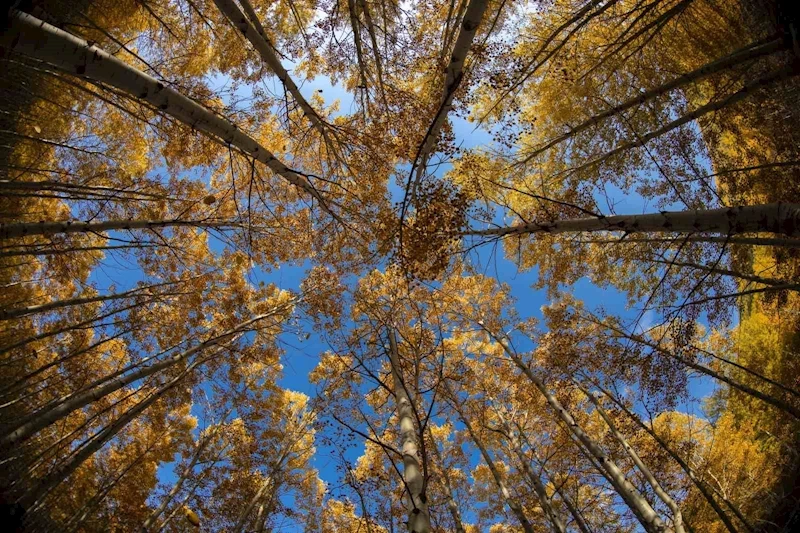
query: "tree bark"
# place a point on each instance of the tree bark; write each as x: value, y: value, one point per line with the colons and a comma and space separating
x: 780, y: 218
x: 637, y: 503
x: 37, y: 39
x: 419, y: 520
x: 258, y: 38
x: 775, y: 402
x: 454, y: 73
x: 701, y: 486
x: 8, y: 314
x: 34, y: 497
x: 731, y: 60
x: 23, y: 229
x: 541, y: 490
x: 765, y: 81
x: 452, y: 506
x: 512, y: 502
x: 25, y: 428
x: 677, y: 518
x: 176, y: 487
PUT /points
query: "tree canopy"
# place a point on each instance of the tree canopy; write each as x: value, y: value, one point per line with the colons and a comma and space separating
x: 376, y: 266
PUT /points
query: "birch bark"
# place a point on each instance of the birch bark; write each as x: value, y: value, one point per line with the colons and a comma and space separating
x: 419, y: 520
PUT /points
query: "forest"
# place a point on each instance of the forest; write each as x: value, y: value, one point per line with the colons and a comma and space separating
x: 385, y: 266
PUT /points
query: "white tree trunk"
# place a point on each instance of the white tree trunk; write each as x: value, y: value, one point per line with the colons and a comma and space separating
x: 23, y: 229
x: 8, y: 314
x: 258, y: 38
x: 700, y: 484
x: 452, y: 506
x: 677, y: 518
x: 176, y: 488
x: 37, y: 39
x: 49, y: 414
x: 541, y: 491
x: 419, y: 520
x: 35, y: 496
x: 637, y: 503
x: 512, y: 502
x: 454, y: 72
x: 731, y: 60
x: 781, y: 218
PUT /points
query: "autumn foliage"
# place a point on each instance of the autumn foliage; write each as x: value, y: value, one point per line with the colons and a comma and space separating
x: 375, y: 266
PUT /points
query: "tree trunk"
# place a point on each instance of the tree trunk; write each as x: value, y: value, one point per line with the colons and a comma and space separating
x: 258, y: 38
x: 37, y: 39
x: 677, y: 519
x: 736, y: 58
x: 779, y: 218
x: 189, y: 470
x: 765, y: 81
x: 419, y: 520
x: 34, y: 498
x: 512, y: 502
x: 23, y: 229
x: 775, y: 402
x: 454, y: 73
x: 241, y: 521
x: 637, y: 503
x: 541, y: 491
x: 65, y: 329
x: 78, y: 517
x: 719, y: 270
x: 39, y: 249
x: 7, y: 314
x: 701, y: 486
x: 452, y: 506
x: 52, y: 413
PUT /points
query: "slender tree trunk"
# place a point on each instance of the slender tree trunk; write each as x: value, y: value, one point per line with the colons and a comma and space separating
x: 775, y: 402
x: 701, y: 486
x: 751, y: 241
x: 37, y: 39
x: 720, y: 271
x: 736, y: 58
x: 512, y: 502
x: 265, y: 511
x: 24, y: 229
x: 574, y: 511
x: 781, y: 218
x: 765, y: 81
x: 13, y: 389
x: 7, y: 314
x: 38, y: 250
x: 74, y: 188
x: 25, y: 428
x: 677, y: 518
x: 173, y: 514
x: 241, y: 521
x: 258, y: 38
x: 571, y: 506
x: 637, y: 503
x: 541, y: 491
x: 34, y: 497
x: 452, y: 506
x: 419, y: 520
x: 538, y: 486
x: 188, y: 471
x: 78, y: 517
x: 59, y: 331
x: 375, y: 50
x: 351, y: 8
x: 454, y: 73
